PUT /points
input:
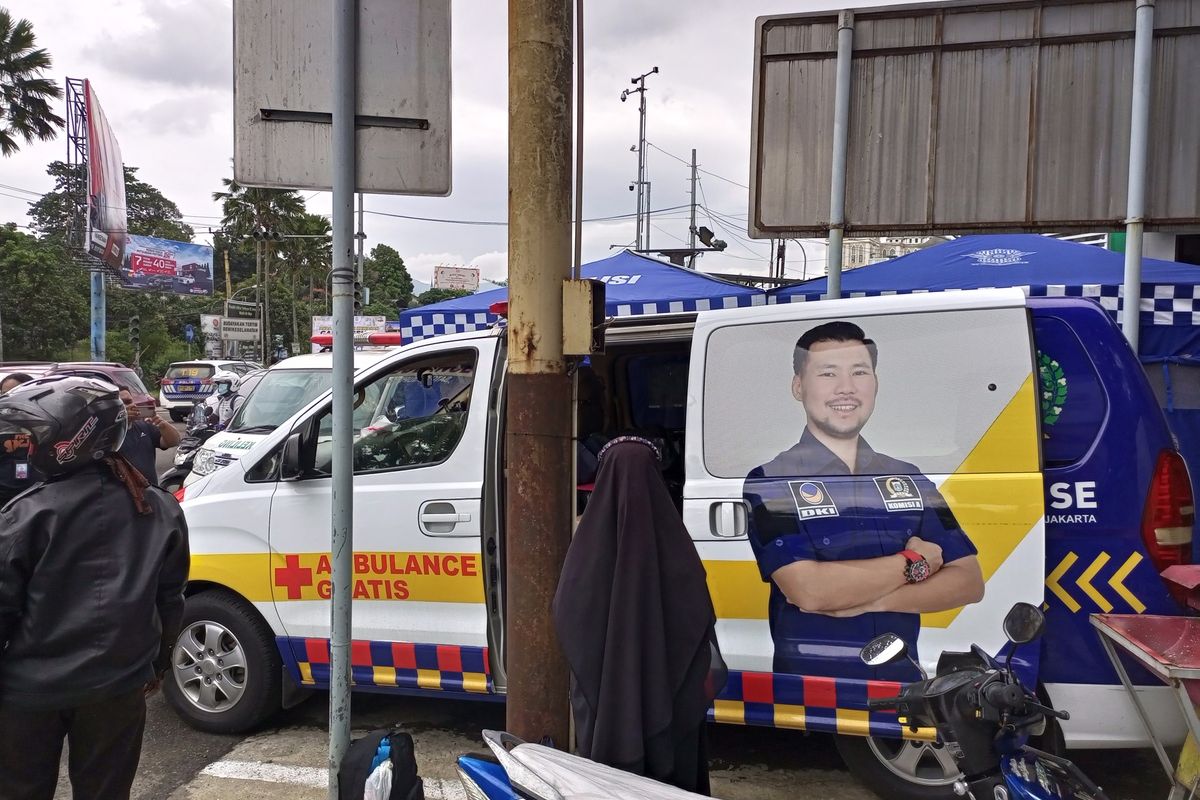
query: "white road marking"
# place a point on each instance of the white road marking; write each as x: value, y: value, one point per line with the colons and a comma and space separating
x: 316, y: 778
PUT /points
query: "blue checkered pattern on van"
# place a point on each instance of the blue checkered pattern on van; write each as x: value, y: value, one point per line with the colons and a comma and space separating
x: 1161, y: 304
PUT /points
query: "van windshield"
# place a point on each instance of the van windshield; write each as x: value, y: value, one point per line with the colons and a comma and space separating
x: 280, y: 394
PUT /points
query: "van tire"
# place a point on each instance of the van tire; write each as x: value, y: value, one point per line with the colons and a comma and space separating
x: 867, y: 759
x: 178, y: 414
x: 223, y: 623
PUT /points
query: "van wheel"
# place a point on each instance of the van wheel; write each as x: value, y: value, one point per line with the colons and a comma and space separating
x: 178, y: 414
x: 900, y: 769
x: 225, y: 670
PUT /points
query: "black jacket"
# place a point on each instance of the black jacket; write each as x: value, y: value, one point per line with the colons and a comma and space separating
x: 91, y: 592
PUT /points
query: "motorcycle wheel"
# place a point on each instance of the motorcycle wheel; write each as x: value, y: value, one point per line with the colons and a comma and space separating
x: 900, y: 769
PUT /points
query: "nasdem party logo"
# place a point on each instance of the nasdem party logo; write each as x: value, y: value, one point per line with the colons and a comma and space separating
x: 999, y: 257
x: 812, y: 499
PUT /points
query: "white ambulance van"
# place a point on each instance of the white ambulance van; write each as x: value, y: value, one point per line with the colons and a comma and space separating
x: 974, y: 414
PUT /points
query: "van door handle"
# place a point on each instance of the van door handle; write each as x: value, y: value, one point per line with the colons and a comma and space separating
x: 728, y: 519
x: 450, y: 519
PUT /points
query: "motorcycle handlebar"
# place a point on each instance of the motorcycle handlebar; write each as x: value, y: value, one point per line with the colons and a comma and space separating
x: 1005, y: 696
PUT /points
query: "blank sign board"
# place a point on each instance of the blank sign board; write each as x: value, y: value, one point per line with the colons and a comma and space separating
x: 282, y: 86
x: 975, y: 117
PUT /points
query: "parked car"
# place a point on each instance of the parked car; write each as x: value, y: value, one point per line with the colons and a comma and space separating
x: 34, y: 369
x: 186, y: 383
x: 119, y: 374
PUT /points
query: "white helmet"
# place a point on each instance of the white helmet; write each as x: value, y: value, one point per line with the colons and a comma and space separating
x: 224, y: 377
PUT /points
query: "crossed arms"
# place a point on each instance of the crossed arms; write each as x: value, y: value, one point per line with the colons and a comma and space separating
x: 850, y: 588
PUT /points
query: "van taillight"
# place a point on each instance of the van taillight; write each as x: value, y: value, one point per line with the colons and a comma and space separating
x: 179, y: 493
x: 1170, y: 513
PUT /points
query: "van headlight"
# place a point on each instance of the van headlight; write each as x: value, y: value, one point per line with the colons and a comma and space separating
x: 205, y: 462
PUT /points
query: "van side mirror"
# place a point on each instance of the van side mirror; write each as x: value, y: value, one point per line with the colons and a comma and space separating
x: 292, y: 466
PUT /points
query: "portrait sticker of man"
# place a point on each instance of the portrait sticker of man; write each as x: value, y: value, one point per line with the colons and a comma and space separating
x: 853, y: 543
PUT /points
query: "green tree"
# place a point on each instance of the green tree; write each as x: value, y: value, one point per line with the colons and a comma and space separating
x: 24, y: 94
x: 303, y: 267
x: 57, y: 214
x: 43, y: 305
x: 437, y: 296
x: 391, y: 285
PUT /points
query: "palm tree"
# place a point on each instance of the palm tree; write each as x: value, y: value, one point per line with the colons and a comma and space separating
x: 24, y: 95
x: 248, y: 212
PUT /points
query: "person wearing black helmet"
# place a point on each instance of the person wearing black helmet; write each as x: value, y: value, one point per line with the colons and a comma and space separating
x: 15, y: 473
x: 93, y: 565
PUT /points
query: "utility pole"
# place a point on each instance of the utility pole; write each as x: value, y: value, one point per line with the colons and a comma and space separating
x: 780, y: 258
x: 692, y: 224
x: 539, y: 420
x: 643, y: 198
x: 344, y: 103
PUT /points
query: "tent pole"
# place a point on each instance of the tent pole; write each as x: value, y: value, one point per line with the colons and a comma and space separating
x: 1139, y: 126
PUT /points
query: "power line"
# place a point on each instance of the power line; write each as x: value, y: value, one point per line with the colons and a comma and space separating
x: 698, y: 169
x: 504, y: 223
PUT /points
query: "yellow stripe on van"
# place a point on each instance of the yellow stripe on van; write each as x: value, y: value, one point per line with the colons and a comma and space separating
x: 263, y: 577
x: 997, y: 492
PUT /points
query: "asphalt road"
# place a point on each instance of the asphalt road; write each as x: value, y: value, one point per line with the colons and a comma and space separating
x: 747, y: 762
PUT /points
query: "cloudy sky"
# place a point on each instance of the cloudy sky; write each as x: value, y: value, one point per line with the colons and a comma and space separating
x: 163, y: 72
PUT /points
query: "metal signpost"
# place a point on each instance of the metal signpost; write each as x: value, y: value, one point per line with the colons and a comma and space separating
x: 366, y: 109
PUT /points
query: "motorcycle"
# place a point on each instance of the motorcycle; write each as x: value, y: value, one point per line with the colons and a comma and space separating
x: 984, y: 717
x: 199, y: 430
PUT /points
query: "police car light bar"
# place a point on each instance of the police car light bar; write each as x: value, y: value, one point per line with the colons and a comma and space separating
x: 499, y: 308
x: 378, y: 339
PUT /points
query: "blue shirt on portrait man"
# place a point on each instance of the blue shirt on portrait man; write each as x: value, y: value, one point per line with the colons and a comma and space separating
x: 806, y: 504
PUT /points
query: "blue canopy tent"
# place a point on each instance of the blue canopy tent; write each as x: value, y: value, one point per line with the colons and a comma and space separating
x: 1169, y: 324
x: 635, y: 284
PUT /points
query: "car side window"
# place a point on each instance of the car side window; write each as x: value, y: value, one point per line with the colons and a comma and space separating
x: 411, y: 416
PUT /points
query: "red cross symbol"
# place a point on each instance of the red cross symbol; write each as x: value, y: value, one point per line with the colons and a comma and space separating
x: 292, y: 578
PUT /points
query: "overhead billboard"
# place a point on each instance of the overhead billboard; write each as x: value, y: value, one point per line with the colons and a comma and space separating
x: 162, y: 265
x: 973, y: 117
x: 107, y: 225
x: 459, y: 278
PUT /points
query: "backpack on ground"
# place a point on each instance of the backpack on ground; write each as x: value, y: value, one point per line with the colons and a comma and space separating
x: 363, y: 774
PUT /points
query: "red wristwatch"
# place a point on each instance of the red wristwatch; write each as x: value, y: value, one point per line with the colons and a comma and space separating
x: 917, y: 568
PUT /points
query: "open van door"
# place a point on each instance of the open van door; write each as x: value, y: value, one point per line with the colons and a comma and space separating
x: 856, y: 467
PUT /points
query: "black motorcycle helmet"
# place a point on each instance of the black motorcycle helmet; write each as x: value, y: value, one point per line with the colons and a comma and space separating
x: 71, y: 421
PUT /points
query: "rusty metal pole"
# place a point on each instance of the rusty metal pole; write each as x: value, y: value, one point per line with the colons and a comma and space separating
x: 538, y: 437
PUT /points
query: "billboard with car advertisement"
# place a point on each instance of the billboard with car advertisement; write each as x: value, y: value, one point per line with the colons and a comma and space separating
x: 106, y: 211
x: 162, y: 265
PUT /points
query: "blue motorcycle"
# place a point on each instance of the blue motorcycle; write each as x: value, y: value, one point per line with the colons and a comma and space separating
x: 984, y: 717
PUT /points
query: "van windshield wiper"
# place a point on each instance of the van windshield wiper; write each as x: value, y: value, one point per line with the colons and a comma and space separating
x: 254, y: 429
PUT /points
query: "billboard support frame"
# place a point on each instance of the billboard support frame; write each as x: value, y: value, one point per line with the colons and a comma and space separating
x: 841, y: 146
x: 1139, y: 136
x: 77, y: 165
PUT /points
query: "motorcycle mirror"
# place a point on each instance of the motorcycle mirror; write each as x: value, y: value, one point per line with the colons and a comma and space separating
x: 883, y: 649
x: 1024, y: 623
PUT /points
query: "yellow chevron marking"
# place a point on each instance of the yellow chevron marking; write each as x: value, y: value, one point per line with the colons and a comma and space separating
x: 1052, y: 582
x: 1117, y: 582
x: 1085, y: 582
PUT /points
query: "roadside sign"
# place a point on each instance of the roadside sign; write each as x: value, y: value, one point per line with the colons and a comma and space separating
x: 241, y: 330
x: 461, y: 278
x: 282, y: 85
x: 972, y: 116
x: 189, y: 333
x: 239, y: 309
